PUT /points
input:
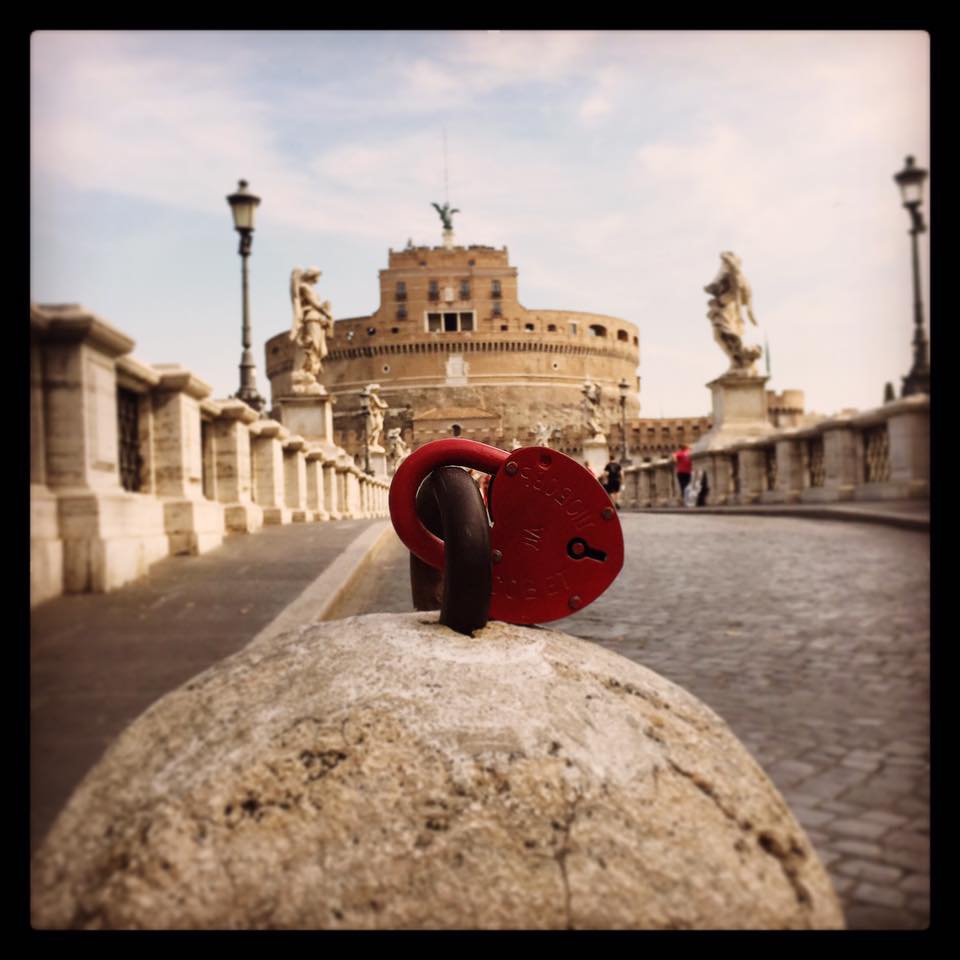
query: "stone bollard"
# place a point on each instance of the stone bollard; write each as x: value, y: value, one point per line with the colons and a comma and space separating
x: 385, y: 772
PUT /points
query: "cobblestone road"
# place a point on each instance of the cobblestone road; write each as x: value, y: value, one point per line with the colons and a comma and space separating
x: 811, y: 639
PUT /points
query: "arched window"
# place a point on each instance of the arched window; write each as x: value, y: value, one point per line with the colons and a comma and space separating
x: 597, y: 330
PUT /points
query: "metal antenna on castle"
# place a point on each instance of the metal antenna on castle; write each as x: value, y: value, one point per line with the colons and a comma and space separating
x: 446, y: 179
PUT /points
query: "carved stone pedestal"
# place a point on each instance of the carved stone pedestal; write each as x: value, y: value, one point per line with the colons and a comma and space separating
x: 378, y: 462
x: 309, y: 416
x: 596, y: 453
x: 739, y: 412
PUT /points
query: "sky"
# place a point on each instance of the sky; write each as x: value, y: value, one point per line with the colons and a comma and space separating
x: 615, y: 166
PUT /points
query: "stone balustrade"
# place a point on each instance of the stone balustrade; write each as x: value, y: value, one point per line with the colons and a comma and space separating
x: 132, y: 462
x: 883, y: 453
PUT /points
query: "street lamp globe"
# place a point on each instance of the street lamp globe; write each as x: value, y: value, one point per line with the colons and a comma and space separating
x: 243, y: 205
x: 910, y: 180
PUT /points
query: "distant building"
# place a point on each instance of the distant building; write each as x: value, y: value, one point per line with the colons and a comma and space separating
x: 451, y: 346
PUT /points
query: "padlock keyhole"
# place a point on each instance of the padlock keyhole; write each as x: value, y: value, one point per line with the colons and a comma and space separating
x: 578, y: 548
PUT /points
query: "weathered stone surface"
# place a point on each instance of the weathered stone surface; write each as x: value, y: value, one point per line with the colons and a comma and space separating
x: 385, y: 772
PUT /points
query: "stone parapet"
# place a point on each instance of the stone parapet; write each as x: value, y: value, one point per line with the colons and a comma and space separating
x: 132, y: 462
x: 883, y: 453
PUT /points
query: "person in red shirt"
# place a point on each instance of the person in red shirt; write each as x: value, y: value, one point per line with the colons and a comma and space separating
x: 684, y: 468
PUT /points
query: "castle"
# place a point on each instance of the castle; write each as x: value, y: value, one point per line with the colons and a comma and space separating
x: 455, y: 353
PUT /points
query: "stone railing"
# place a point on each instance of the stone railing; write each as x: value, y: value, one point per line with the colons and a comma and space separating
x: 882, y: 453
x: 131, y: 462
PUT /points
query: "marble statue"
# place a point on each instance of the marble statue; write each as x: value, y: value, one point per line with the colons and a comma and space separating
x: 591, y: 408
x: 397, y: 450
x: 312, y: 321
x: 730, y: 294
x: 543, y: 434
x: 374, y: 408
x: 446, y: 214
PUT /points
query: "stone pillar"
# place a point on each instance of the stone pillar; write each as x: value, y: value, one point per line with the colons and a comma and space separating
x: 665, y: 484
x: 361, y: 498
x: 233, y: 466
x: 840, y: 459
x: 46, y: 547
x: 110, y: 535
x: 631, y: 495
x: 909, y: 429
x: 295, y: 479
x: 267, y: 438
x: 719, y: 468
x: 646, y: 487
x: 751, y: 468
x: 343, y: 467
x: 193, y: 523
x: 331, y: 487
x: 315, y: 493
x: 352, y: 480
x: 790, y: 481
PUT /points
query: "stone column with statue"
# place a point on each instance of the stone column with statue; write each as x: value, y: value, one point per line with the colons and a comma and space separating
x: 304, y: 406
x: 373, y: 409
x: 595, y: 451
x: 739, y: 394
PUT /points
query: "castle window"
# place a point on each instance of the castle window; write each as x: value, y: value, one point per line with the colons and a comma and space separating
x: 401, y: 313
x: 495, y: 292
x: 573, y: 328
x: 464, y: 289
x: 503, y: 326
x: 636, y: 342
x: 395, y: 329
x: 450, y: 322
x: 623, y: 335
x: 401, y: 290
x: 433, y: 291
x: 371, y: 331
x: 551, y: 328
x: 529, y: 327
x: 597, y: 330
x: 496, y: 310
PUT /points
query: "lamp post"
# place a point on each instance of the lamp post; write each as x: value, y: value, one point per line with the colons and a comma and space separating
x: 910, y: 180
x: 365, y: 410
x: 242, y: 206
x: 624, y: 390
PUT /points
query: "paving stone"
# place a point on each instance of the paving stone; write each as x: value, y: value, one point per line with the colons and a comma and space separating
x: 915, y: 860
x: 868, y: 870
x: 883, y: 896
x: 811, y: 818
x: 882, y: 816
x: 916, y: 883
x: 859, y: 848
x: 859, y: 828
x: 908, y: 841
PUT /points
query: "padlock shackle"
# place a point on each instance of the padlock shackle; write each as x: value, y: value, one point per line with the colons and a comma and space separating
x: 414, y: 470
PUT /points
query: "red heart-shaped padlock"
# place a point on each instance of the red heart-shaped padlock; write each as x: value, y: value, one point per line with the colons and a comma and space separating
x: 556, y: 542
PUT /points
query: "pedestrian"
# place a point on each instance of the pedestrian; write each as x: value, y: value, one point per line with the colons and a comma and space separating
x: 704, y: 489
x: 684, y: 468
x: 611, y: 481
